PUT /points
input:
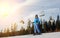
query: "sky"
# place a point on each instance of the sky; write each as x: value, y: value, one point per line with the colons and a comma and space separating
x: 12, y: 11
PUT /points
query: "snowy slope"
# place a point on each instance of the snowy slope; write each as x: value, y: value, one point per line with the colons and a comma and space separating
x: 44, y: 35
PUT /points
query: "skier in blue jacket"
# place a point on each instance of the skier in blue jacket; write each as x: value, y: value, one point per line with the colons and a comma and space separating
x: 36, y: 24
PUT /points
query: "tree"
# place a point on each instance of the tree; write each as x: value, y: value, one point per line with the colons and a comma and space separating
x: 28, y: 27
x: 58, y: 23
x: 14, y: 27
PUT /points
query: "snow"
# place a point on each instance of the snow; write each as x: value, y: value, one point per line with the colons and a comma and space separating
x: 43, y: 35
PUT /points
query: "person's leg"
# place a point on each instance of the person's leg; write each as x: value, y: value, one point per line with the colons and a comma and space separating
x: 37, y: 29
x: 34, y: 28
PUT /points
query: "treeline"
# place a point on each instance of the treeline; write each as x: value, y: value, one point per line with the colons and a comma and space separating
x: 23, y: 31
x: 45, y: 27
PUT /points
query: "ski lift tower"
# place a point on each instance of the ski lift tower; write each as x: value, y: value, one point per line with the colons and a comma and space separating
x: 41, y: 15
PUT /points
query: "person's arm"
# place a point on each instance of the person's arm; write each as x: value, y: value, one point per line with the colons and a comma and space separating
x: 34, y: 20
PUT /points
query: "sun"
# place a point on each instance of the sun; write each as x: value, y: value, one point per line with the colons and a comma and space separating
x: 4, y: 11
x: 5, y: 15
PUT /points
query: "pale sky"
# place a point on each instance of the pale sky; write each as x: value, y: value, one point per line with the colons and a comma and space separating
x: 12, y: 11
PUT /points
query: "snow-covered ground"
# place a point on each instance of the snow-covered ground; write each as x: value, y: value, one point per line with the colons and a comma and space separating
x: 44, y: 35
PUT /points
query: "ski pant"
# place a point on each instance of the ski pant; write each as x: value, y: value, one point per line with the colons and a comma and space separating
x: 36, y: 29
